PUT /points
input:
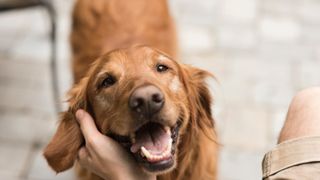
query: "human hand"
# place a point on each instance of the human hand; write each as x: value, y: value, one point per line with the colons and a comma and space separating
x: 104, y: 156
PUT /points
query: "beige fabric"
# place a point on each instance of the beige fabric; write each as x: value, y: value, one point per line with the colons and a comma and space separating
x: 294, y: 159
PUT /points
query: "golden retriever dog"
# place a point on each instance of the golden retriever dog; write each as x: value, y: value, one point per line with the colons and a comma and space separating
x: 156, y: 107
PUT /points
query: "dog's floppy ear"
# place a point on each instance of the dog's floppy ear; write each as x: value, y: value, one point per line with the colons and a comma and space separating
x: 62, y: 151
x: 199, y: 97
x: 200, y: 123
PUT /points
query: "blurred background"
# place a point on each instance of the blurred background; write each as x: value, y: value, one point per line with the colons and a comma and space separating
x: 261, y: 51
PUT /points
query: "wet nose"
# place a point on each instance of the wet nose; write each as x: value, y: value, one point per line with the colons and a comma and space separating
x: 146, y: 100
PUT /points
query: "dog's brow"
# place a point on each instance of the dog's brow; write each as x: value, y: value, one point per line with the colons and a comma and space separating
x: 167, y: 60
x: 162, y: 58
x: 101, y: 74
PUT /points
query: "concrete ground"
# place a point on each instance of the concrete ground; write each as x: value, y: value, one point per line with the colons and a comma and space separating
x: 262, y: 53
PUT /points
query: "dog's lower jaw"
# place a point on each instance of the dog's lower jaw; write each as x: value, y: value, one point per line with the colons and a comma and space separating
x: 164, y: 162
x: 157, y: 162
x: 166, y: 171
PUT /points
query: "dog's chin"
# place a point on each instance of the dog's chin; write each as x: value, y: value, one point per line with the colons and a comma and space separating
x: 159, y: 167
x: 153, y: 145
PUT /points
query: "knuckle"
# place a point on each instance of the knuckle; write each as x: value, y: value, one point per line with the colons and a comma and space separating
x: 92, y: 142
x: 82, y: 153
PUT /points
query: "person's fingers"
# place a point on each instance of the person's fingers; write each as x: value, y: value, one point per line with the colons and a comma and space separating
x: 87, y: 125
x: 83, y: 156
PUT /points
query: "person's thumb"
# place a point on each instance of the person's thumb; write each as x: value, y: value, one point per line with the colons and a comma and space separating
x: 87, y: 125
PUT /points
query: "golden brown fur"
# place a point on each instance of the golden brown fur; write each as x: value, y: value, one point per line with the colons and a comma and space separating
x: 101, y: 26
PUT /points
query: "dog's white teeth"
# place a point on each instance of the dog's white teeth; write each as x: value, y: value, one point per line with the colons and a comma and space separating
x: 170, y: 142
x: 151, y: 157
x: 168, y: 149
x: 142, y: 154
x: 145, y: 152
x: 168, y: 130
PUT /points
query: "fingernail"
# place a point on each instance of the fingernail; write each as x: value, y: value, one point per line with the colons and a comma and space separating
x: 79, y: 114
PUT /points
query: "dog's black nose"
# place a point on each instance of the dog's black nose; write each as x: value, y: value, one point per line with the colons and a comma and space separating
x: 146, y: 100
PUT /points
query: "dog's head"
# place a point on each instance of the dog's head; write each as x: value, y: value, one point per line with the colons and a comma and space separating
x: 142, y: 99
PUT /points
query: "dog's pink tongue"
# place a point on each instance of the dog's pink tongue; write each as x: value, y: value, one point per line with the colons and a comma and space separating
x: 153, y: 137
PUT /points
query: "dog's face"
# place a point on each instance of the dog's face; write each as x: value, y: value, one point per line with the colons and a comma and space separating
x: 137, y: 97
x: 142, y: 99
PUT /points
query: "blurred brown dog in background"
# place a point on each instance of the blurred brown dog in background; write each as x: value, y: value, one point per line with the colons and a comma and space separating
x: 157, y: 108
x: 100, y: 26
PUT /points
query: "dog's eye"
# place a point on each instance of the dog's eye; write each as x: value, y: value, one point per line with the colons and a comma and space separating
x: 162, y: 68
x: 107, y: 82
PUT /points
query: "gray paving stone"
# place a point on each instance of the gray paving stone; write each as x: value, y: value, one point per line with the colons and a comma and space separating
x: 63, y: 8
x: 244, y: 11
x: 245, y: 128
x: 41, y: 171
x: 308, y: 74
x: 311, y: 36
x: 25, y: 49
x: 28, y: 99
x: 7, y: 20
x: 23, y: 125
x: 285, y: 53
x: 234, y: 93
x: 239, y: 165
x: 25, y: 85
x: 10, y: 176
x: 38, y: 15
x: 317, y: 53
x: 277, y: 119
x: 238, y: 83
x: 272, y: 94
x: 279, y: 29
x: 309, y: 11
x: 13, y: 158
x: 187, y: 11
x: 23, y: 69
x: 273, y: 85
x: 195, y: 39
x: 280, y: 7
x: 241, y: 37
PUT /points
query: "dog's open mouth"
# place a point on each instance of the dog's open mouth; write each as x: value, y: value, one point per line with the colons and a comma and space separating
x: 153, y: 145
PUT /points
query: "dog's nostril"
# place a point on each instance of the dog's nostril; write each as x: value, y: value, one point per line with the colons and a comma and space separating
x: 136, y: 103
x: 139, y: 102
x: 157, y: 98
